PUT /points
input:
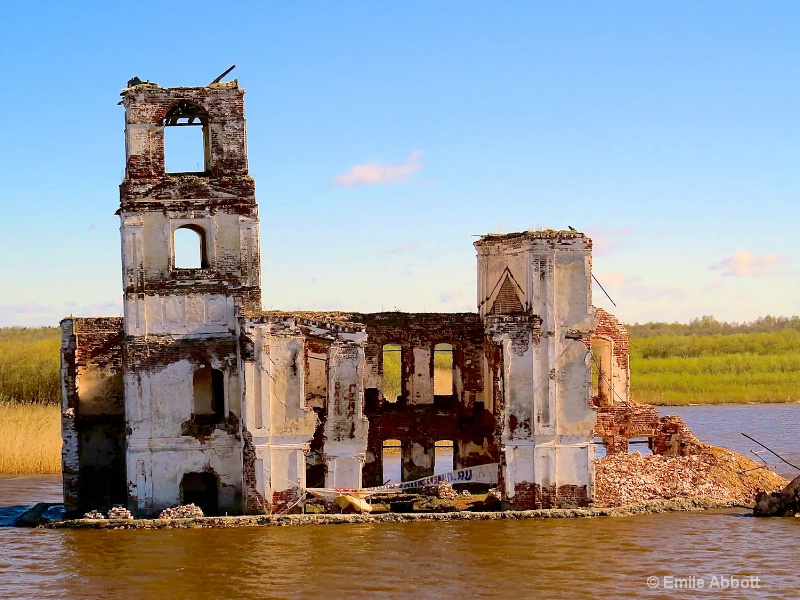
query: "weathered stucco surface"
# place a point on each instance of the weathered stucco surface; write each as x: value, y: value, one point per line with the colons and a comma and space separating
x: 199, y: 395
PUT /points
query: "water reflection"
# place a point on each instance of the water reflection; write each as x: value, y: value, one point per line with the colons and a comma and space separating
x: 597, y: 558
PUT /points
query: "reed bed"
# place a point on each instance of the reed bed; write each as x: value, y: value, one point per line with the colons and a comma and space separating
x: 716, y: 369
x: 30, y: 438
x: 29, y: 364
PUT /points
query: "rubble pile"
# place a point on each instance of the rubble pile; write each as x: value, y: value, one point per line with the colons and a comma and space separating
x: 187, y: 511
x: 443, y: 491
x: 783, y: 503
x: 495, y: 492
x: 714, y: 473
x: 119, y: 512
x: 94, y: 514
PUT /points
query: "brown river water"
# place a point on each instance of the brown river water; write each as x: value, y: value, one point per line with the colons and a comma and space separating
x: 713, y: 554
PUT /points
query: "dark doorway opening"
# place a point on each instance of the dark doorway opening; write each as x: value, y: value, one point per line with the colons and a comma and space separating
x: 201, y: 489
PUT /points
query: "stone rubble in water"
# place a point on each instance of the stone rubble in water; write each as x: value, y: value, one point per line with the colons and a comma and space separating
x: 714, y: 473
x: 94, y: 514
x: 783, y: 503
x: 187, y: 511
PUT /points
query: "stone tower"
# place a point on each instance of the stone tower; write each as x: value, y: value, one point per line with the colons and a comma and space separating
x: 180, y: 369
x: 534, y: 294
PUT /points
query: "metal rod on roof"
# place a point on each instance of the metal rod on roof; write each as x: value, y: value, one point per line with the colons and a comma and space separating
x: 604, y: 289
x: 218, y: 79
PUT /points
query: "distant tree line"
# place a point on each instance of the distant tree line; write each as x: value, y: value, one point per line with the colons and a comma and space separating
x: 708, y: 325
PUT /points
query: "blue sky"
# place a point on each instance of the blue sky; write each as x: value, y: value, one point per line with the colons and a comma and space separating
x: 384, y: 135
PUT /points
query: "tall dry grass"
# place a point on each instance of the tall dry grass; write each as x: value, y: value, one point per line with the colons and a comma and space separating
x: 30, y: 438
x: 29, y: 364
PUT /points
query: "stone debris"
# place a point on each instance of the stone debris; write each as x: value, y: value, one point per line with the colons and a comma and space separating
x: 494, y: 492
x: 715, y: 474
x: 119, y: 512
x: 642, y: 508
x: 445, y: 491
x: 466, y: 493
x: 94, y: 514
x: 783, y: 503
x: 187, y: 511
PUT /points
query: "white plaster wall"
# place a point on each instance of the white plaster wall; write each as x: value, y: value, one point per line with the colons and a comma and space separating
x: 519, y: 466
x: 274, y: 409
x: 550, y: 382
x: 421, y: 384
x: 517, y: 386
x: 156, y: 466
x: 156, y: 403
x: 344, y: 472
x: 491, y: 273
x: 345, y: 431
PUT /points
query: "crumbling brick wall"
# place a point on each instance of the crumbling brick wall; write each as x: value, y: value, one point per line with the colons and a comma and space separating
x: 466, y: 417
x: 93, y: 413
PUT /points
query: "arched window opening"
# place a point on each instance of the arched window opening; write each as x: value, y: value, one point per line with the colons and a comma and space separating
x: 209, y: 394
x: 443, y: 457
x: 201, y: 489
x: 443, y: 370
x: 186, y: 139
x: 189, y: 247
x: 392, y: 372
x: 392, y: 461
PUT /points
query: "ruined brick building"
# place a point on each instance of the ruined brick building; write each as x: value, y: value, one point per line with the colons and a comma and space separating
x: 198, y: 395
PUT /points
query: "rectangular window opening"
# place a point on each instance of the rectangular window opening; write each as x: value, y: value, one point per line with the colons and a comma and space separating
x: 392, y: 461
x: 443, y: 457
x: 392, y: 372
x: 185, y: 149
x: 443, y: 370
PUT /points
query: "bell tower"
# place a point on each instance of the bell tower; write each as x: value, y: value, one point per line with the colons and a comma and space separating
x: 181, y: 379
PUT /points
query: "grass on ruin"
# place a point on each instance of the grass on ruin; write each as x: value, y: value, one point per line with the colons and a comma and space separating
x: 30, y: 438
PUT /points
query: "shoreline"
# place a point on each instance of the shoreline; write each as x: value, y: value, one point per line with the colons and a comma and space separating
x: 641, y: 508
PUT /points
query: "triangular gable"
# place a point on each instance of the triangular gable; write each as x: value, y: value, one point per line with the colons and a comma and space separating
x: 508, y: 297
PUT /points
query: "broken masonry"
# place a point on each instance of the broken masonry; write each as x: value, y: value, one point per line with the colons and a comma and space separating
x: 198, y: 396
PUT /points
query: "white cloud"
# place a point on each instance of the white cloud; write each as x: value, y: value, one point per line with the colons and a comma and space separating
x: 373, y: 173
x: 745, y: 264
x: 402, y: 248
x: 635, y: 288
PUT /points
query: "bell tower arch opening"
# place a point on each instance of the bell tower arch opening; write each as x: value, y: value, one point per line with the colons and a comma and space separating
x: 186, y: 139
